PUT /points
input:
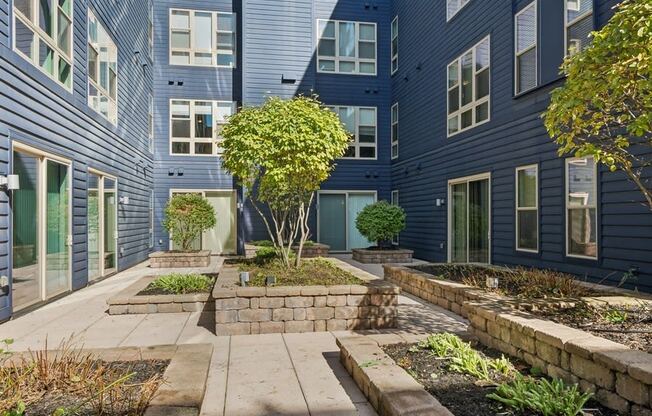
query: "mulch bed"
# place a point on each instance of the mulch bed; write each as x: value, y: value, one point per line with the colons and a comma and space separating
x: 458, y: 392
x: 149, y: 291
x: 312, y: 272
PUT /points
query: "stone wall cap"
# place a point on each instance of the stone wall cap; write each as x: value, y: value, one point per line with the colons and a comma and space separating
x: 173, y: 254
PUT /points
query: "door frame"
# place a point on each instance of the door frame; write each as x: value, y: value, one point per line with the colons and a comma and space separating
x: 100, y: 190
x: 203, y: 191
x: 346, y: 211
x: 43, y: 156
x: 457, y: 181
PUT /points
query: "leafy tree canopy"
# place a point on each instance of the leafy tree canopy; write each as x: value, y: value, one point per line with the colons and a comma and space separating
x: 380, y: 222
x: 186, y: 217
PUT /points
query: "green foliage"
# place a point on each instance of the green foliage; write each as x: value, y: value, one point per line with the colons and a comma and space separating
x: 311, y: 272
x: 180, y: 284
x: 605, y: 106
x: 265, y: 255
x: 548, y: 398
x: 186, y: 217
x: 19, y: 410
x: 615, y: 316
x: 503, y: 366
x: 262, y: 243
x: 381, y: 221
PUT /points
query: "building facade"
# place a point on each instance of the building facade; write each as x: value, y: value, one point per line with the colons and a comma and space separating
x: 107, y: 108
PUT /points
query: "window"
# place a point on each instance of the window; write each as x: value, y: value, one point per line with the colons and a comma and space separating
x: 102, y: 63
x: 581, y: 208
x: 468, y: 89
x: 395, y: 201
x: 42, y: 34
x: 151, y: 219
x: 578, y: 16
x: 150, y: 30
x: 394, y: 45
x: 395, y: 131
x: 195, y: 126
x: 527, y: 208
x: 202, y: 38
x: 346, y: 47
x: 150, y: 123
x: 526, y: 48
x: 454, y: 6
x: 361, y: 125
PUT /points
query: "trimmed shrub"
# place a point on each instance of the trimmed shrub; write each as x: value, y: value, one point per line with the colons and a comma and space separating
x: 381, y: 222
x: 180, y: 284
x: 186, y: 217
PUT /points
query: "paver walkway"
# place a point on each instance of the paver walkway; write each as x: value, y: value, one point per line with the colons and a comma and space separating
x: 253, y: 375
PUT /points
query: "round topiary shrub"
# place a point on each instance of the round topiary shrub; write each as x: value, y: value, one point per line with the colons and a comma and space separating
x: 186, y: 217
x: 381, y: 222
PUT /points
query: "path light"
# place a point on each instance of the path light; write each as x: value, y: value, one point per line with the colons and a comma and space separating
x: 270, y: 281
x: 244, y: 278
x: 492, y: 282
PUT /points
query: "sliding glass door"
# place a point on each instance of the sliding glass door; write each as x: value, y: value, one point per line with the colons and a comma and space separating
x: 102, y: 225
x: 469, y: 220
x: 57, y: 225
x: 337, y: 214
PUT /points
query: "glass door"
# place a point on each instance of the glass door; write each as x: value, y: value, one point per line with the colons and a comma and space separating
x: 110, y: 228
x: 94, y: 227
x: 222, y: 238
x: 469, y: 220
x: 57, y: 224
x: 332, y: 221
x: 102, y: 225
x: 356, y: 203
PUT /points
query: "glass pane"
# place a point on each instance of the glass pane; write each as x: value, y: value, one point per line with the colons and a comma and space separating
x: 458, y: 223
x: 527, y: 188
x: 581, y: 183
x: 24, y: 39
x: 526, y: 28
x: 367, y: 50
x: 224, y: 110
x: 347, y: 39
x: 225, y: 59
x: 578, y: 34
x: 350, y: 152
x: 180, y: 58
x: 453, y: 124
x: 367, y: 68
x: 479, y: 221
x: 110, y: 226
x: 326, y: 47
x: 226, y: 41
x: 203, y: 30
x: 347, y: 116
x: 46, y: 58
x: 203, y: 148
x: 180, y: 20
x: 367, y: 135
x: 582, y: 232
x: 332, y: 221
x: 327, y: 29
x: 326, y: 66
x: 203, y: 120
x: 482, y: 84
x: 65, y: 5
x: 356, y: 203
x: 92, y: 63
x: 45, y: 17
x: 467, y: 119
x: 25, y: 7
x: 64, y: 72
x: 57, y: 223
x: 367, y: 117
x: 576, y: 8
x: 63, y: 33
x: 367, y: 152
x: 528, y: 233
x: 482, y: 112
x: 482, y: 55
x: 26, y: 285
x: 181, y: 40
x: 453, y: 74
x: 94, y: 270
x: 181, y: 128
x: 113, y: 84
x: 225, y: 22
x: 367, y: 32
x: 527, y: 70
x: 453, y: 100
x: 467, y: 78
x: 181, y: 148
x: 203, y: 58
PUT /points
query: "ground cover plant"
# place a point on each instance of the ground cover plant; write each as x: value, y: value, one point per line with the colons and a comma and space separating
x: 478, y: 381
x: 73, y: 383
x: 179, y: 284
x: 312, y: 272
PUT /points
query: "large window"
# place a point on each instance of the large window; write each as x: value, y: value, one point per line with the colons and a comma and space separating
x: 526, y: 48
x: 394, y: 45
x: 346, y: 47
x: 468, y: 88
x: 202, y: 38
x: 527, y: 208
x: 360, y: 122
x: 454, y: 6
x: 581, y: 208
x: 578, y: 17
x: 195, y: 126
x: 102, y: 66
x: 395, y: 131
x: 43, y: 35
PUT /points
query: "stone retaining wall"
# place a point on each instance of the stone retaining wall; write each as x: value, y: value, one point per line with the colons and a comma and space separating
x: 620, y: 378
x: 313, y: 250
x: 173, y: 259
x: 382, y: 256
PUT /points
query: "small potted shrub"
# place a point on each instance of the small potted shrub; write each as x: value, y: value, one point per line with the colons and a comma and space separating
x: 187, y: 216
x: 381, y: 222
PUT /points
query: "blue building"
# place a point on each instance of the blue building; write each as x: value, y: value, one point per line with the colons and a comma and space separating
x: 107, y: 108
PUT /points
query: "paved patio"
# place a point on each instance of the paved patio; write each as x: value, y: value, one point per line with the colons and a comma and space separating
x: 288, y: 374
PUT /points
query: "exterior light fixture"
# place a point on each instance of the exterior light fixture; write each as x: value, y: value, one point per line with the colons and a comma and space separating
x: 10, y: 182
x: 124, y: 200
x: 492, y: 282
x: 270, y: 281
x: 244, y: 278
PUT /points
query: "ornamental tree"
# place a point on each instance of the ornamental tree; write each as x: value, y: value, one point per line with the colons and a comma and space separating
x: 186, y: 217
x: 604, y: 109
x: 381, y: 222
x: 281, y: 152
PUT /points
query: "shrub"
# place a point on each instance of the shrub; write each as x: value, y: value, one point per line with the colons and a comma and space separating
x: 186, y: 217
x: 180, y: 284
x: 262, y: 243
x: 381, y: 222
x: 265, y: 255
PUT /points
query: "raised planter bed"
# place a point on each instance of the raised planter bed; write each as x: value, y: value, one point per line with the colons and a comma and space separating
x: 179, y: 259
x: 286, y: 309
x: 369, y: 256
x: 313, y: 250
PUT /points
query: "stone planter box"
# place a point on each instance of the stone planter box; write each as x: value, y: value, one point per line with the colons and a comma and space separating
x: 313, y: 250
x: 382, y: 256
x: 288, y: 309
x: 173, y: 259
x: 128, y: 302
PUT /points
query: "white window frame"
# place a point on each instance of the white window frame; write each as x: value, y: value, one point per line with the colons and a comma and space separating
x: 215, y: 139
x: 520, y: 209
x: 112, y: 46
x: 41, y: 36
x: 568, y: 208
x: 395, y: 137
x: 356, y: 60
x: 394, y: 200
x: 535, y: 46
x: 567, y: 24
x: 459, y: 6
x: 475, y: 103
x: 394, y: 51
x: 214, y: 51
x: 356, y: 142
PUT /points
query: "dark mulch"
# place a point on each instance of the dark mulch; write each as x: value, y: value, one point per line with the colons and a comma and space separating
x: 51, y: 401
x: 312, y: 272
x: 635, y: 332
x: 150, y: 291
x: 459, y: 392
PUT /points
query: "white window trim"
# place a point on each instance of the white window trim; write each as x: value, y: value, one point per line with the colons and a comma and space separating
x: 568, y: 24
x: 394, y: 139
x: 394, y: 36
x: 40, y: 35
x: 192, y: 140
x: 568, y: 208
x: 394, y: 200
x: 459, y: 8
x: 214, y: 30
x: 101, y: 178
x: 518, y: 54
x: 476, y: 102
x: 356, y: 143
x: 520, y: 209
x: 112, y: 102
x: 357, y: 60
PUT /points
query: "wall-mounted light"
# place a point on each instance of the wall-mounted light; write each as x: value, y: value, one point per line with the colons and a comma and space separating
x: 4, y: 285
x: 10, y: 182
x: 124, y: 200
x: 440, y: 202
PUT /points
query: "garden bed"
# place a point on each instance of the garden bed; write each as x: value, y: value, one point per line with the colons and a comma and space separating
x: 381, y: 256
x: 311, y: 273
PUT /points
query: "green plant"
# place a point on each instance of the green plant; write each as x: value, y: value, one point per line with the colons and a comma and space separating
x: 281, y: 152
x: 548, y: 398
x: 309, y: 273
x: 179, y: 284
x: 265, y: 255
x: 186, y: 217
x: 469, y: 361
x: 604, y: 109
x: 615, y: 316
x: 503, y: 366
x: 262, y: 243
x: 18, y: 410
x: 381, y: 222
x: 444, y: 344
